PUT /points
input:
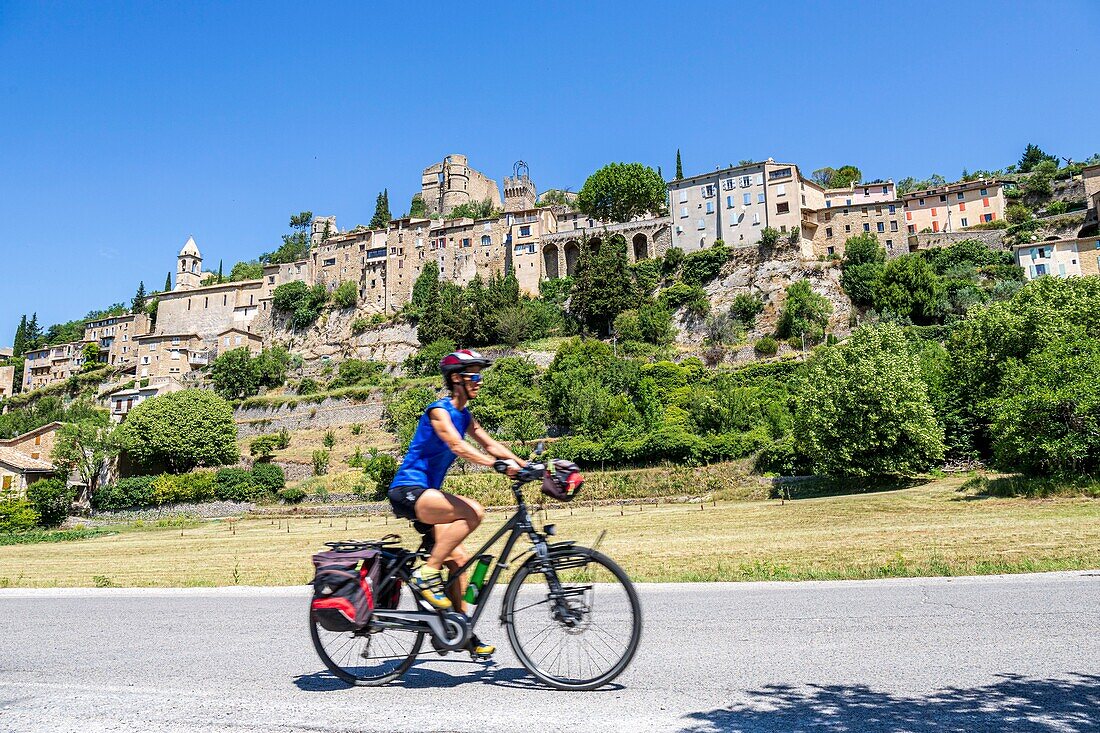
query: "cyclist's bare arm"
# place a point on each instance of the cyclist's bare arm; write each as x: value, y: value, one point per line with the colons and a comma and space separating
x: 491, y: 446
x: 445, y: 429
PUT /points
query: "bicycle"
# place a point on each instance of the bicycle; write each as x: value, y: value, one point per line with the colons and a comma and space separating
x: 552, y: 628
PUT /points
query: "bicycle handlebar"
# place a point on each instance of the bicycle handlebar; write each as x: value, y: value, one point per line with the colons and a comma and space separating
x: 530, y: 472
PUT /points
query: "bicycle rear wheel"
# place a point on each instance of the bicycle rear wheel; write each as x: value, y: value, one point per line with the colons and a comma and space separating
x: 371, y: 657
x: 585, y: 637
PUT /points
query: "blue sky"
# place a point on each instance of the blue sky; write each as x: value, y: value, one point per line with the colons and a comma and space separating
x: 126, y: 127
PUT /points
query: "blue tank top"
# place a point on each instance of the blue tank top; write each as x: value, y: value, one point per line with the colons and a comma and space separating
x: 428, y: 457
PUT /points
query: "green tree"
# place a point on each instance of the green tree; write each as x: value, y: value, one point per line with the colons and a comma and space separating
x: 910, y: 288
x: 602, y: 287
x: 90, y: 354
x: 417, y: 208
x: 805, y: 313
x: 620, y: 192
x: 52, y: 499
x: 167, y: 283
x: 864, y: 411
x: 221, y: 278
x: 20, y: 344
x: 33, y: 334
x: 769, y: 236
x: 137, y: 303
x: 235, y: 374
x: 295, y: 245
x: 272, y: 365
x: 85, y: 447
x: 402, y: 413
x: 250, y: 270
x: 655, y: 323
x: 382, y: 217
x: 346, y: 294
x: 845, y: 176
x: 473, y: 210
x: 861, y: 269
x: 1033, y: 155
x: 1046, y: 420
x: 180, y: 431
x: 745, y: 308
x: 679, y: 166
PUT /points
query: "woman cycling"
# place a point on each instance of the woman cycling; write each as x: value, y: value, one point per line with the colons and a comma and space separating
x: 416, y: 492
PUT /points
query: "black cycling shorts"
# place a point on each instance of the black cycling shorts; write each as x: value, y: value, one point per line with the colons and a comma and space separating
x: 403, y: 500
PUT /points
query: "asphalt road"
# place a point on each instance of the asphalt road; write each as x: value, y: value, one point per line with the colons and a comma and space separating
x: 1017, y: 653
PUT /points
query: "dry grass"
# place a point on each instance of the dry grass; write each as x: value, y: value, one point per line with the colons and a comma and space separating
x: 927, y: 530
x: 304, y: 442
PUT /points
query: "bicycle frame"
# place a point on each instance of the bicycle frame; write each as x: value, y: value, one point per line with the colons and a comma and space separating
x: 518, y: 524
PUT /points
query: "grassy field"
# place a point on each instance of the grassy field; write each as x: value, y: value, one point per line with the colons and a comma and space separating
x: 929, y: 529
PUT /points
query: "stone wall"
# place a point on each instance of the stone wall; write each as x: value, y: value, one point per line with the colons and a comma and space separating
x: 992, y: 238
x: 7, y: 381
x: 252, y: 421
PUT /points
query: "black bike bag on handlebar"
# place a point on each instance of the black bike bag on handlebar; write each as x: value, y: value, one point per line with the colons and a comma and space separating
x: 344, y: 588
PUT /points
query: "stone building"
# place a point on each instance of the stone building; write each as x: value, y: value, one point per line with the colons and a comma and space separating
x: 452, y: 183
x: 858, y: 194
x: 115, y: 336
x: 736, y: 204
x: 519, y: 191
x: 1071, y: 257
x: 170, y: 354
x: 835, y: 224
x: 238, y: 338
x: 954, y: 206
x: 52, y: 364
x: 7, y: 381
x: 561, y: 250
x: 36, y: 444
x: 189, y: 266
x: 25, y: 459
x: 321, y: 228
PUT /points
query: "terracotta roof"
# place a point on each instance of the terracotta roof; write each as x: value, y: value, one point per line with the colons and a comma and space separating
x: 55, y: 425
x: 22, y: 461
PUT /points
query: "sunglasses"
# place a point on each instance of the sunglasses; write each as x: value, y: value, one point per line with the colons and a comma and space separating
x: 472, y: 376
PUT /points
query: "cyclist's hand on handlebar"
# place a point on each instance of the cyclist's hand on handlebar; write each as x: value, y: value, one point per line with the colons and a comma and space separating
x: 510, y: 468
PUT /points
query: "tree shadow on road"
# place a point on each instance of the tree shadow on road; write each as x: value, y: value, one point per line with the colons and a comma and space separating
x: 1069, y: 704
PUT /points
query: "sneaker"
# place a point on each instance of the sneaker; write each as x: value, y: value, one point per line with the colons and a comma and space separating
x: 431, y: 589
x: 479, y: 649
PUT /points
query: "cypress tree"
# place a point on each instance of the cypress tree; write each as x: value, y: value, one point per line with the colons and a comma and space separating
x: 32, y: 333
x: 679, y: 166
x: 20, y: 344
x: 659, y: 173
x: 168, y: 282
x: 381, y: 211
x: 220, y: 278
x: 138, y: 302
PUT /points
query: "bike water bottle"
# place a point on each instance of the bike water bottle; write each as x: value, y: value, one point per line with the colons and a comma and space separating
x: 477, y: 578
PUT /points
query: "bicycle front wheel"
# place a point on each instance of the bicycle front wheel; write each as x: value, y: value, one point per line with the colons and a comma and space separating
x: 582, y: 637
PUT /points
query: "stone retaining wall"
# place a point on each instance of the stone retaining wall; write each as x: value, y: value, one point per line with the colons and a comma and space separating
x: 304, y: 415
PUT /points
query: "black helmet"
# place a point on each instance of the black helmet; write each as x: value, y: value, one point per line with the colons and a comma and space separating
x: 562, y: 480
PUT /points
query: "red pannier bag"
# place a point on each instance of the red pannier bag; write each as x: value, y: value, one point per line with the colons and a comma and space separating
x: 343, y: 588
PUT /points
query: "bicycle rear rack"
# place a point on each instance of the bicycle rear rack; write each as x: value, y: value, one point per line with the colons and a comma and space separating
x: 390, y: 540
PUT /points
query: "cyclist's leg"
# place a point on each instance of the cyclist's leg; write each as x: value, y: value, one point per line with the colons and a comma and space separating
x: 458, y: 517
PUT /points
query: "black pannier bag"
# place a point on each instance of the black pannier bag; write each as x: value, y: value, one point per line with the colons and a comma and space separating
x: 343, y: 588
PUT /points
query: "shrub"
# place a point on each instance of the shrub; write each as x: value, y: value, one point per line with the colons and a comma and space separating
x: 626, y: 326
x: 263, y: 446
x: 425, y: 362
x: 359, y: 325
x: 135, y: 491
x: 236, y: 484
x: 356, y: 428
x: 745, y: 308
x: 355, y: 460
x: 703, y: 266
x: 352, y: 372
x: 804, y: 312
x: 52, y: 499
x: 1056, y: 207
x: 780, y: 458
x: 1017, y: 214
x: 766, y: 346
x: 673, y: 258
x: 329, y: 440
x: 403, y: 412
x: 655, y: 323
x: 680, y: 294
x: 185, y: 487
x: 289, y: 296
x: 308, y: 385
x: 346, y: 295
x: 795, y: 342
x: 17, y: 515
x: 320, y: 462
x: 292, y: 495
x: 268, y: 477
x: 769, y: 237
x: 381, y: 468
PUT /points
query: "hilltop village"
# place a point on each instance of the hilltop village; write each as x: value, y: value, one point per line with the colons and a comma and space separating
x: 540, y: 237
